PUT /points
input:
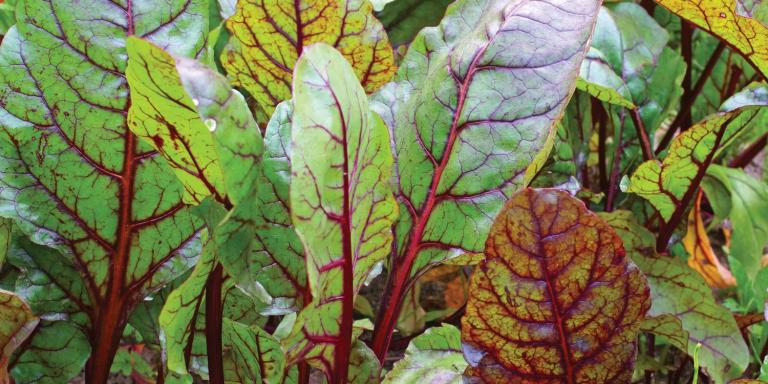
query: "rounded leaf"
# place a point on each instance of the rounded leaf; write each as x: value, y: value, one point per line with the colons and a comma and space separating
x: 556, y: 300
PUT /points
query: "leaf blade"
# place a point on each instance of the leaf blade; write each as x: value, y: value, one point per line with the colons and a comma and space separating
x: 341, y: 203
x: 546, y: 247
x: 268, y: 40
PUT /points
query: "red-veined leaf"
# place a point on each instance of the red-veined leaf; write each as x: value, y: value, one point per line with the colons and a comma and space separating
x: 556, y: 300
x: 341, y: 203
x: 269, y: 36
x: 73, y: 175
x: 475, y: 105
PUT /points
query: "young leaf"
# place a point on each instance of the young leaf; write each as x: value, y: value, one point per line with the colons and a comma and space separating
x: 16, y: 323
x: 179, y: 315
x: 341, y: 202
x: 477, y: 99
x: 702, y: 257
x: 679, y: 291
x: 432, y: 357
x: 748, y: 36
x: 555, y: 300
x: 364, y: 367
x: 192, y: 116
x: 268, y: 38
x: 73, y: 175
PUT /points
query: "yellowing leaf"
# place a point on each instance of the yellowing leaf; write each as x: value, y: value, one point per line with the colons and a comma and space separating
x: 269, y: 36
x: 702, y: 257
x: 720, y: 18
x: 16, y: 323
x: 556, y: 300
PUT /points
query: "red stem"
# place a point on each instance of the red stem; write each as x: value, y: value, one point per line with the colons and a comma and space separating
x: 602, y: 121
x: 649, y: 6
x: 749, y: 154
x: 400, y: 277
x: 687, y: 103
x: 645, y: 142
x: 613, y: 184
x: 667, y: 229
x: 686, y: 49
x: 112, y: 313
x: 213, y: 324
x: 341, y: 360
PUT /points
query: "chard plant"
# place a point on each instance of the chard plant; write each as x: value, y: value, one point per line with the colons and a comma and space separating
x: 269, y: 191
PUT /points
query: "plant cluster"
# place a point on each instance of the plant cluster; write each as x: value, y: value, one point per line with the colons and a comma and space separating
x: 258, y: 191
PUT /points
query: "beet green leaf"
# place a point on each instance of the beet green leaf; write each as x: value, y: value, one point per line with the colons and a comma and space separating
x: 75, y: 177
x: 341, y: 203
x: 476, y: 102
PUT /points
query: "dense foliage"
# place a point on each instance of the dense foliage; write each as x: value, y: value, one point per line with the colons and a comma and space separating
x: 269, y: 191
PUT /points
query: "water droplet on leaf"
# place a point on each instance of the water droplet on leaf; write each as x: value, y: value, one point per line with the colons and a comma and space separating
x: 211, y: 124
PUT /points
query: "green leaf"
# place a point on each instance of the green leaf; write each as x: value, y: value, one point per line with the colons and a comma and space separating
x: 178, y: 317
x: 341, y: 202
x: 669, y: 327
x: 268, y: 38
x: 629, y: 65
x: 403, y: 19
x: 6, y: 231
x: 16, y: 323
x: 679, y: 291
x: 257, y: 355
x: 472, y: 146
x: 746, y: 35
x: 432, y: 357
x: 555, y: 297
x: 599, y: 80
x: 262, y: 251
x: 476, y: 102
x: 7, y: 16
x: 57, y: 294
x: 671, y: 182
x: 192, y: 116
x: 721, y: 78
x: 73, y: 175
x: 749, y: 217
x: 364, y: 367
